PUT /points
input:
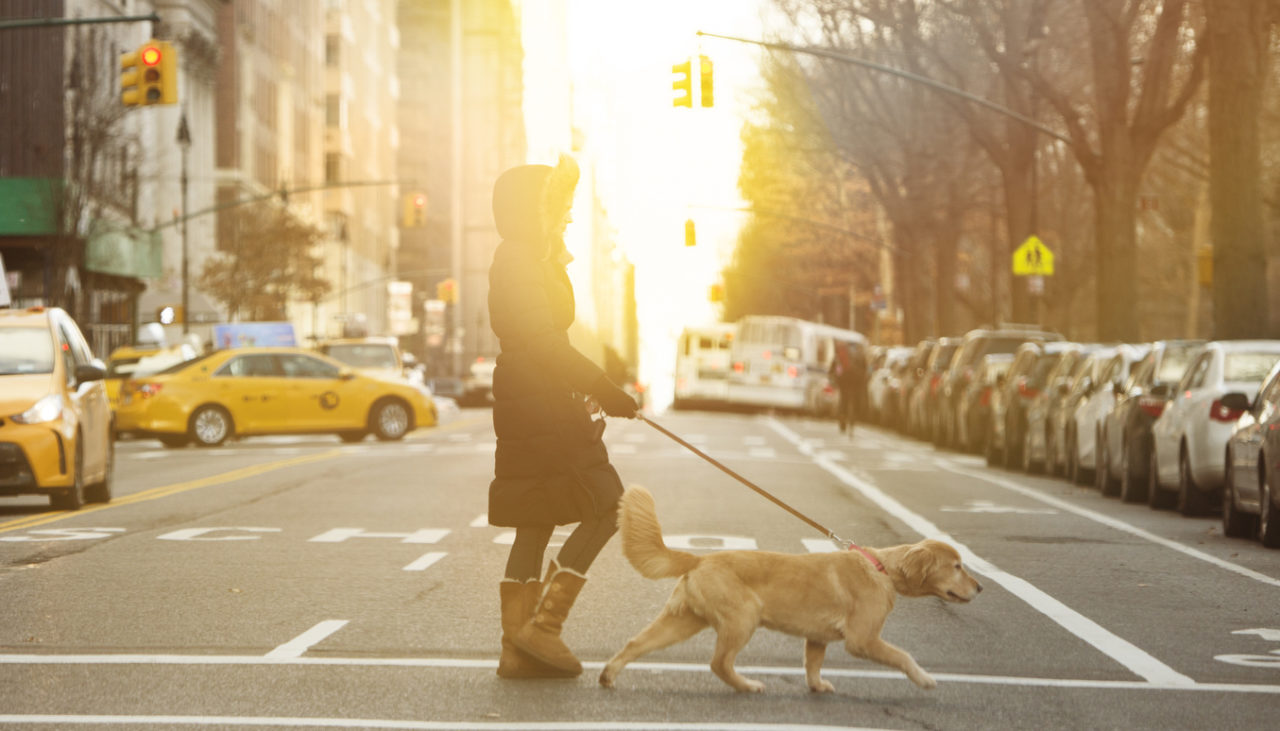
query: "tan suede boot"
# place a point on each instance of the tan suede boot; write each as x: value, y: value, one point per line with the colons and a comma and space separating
x: 518, y: 602
x: 540, y: 637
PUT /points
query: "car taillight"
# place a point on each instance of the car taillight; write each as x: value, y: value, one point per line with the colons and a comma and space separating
x: 739, y: 367
x: 985, y: 398
x: 1026, y: 391
x: 1219, y: 412
x: 934, y: 382
x: 1153, y: 406
x: 792, y: 371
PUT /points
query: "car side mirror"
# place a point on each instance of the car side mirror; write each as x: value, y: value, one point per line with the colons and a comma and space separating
x: 346, y: 374
x: 94, y: 371
x: 1001, y: 379
x: 1062, y: 389
x: 1118, y: 389
x: 1160, y: 390
x: 1237, y: 401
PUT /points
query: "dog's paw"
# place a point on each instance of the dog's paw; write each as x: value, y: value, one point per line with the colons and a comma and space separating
x: 751, y: 686
x: 606, y: 678
x: 924, y: 680
x: 822, y: 686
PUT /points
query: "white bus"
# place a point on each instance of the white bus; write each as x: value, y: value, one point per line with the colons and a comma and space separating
x: 702, y: 365
x: 782, y: 363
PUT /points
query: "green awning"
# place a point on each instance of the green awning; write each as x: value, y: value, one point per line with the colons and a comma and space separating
x: 125, y: 252
x: 27, y: 206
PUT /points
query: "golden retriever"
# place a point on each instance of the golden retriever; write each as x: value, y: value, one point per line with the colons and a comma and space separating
x: 822, y: 597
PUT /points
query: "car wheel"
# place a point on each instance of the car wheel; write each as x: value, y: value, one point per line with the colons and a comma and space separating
x: 72, y: 498
x: 100, y: 492
x: 1107, y: 485
x: 1132, y: 489
x: 1268, y: 521
x: 1072, y: 466
x: 1191, y: 500
x: 210, y: 426
x: 390, y: 420
x: 1157, y: 498
x: 1234, y: 523
x: 351, y: 437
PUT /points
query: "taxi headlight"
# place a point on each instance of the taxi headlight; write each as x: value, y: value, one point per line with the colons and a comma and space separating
x: 46, y: 409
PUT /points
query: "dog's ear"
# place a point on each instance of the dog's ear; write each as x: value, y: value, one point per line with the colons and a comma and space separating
x: 919, y: 560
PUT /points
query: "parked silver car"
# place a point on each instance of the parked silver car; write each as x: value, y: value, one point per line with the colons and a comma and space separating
x: 1189, y: 439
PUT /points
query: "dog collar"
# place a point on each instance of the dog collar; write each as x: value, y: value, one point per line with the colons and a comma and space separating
x: 874, y: 561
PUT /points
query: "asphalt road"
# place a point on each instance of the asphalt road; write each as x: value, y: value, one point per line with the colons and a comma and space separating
x: 306, y: 583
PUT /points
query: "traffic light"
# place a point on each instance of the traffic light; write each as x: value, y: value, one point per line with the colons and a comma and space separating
x: 690, y: 235
x: 415, y: 210
x: 708, y: 92
x: 149, y: 75
x: 447, y: 290
x: 683, y: 85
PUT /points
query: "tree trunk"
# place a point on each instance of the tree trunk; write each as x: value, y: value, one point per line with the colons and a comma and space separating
x: 1238, y: 32
x: 1116, y: 255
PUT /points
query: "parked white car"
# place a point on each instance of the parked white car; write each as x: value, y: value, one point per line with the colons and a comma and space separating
x: 1190, y: 437
x: 878, y: 383
x: 1077, y: 429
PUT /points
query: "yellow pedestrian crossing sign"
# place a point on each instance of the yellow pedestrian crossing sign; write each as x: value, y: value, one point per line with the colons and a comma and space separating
x: 1033, y: 258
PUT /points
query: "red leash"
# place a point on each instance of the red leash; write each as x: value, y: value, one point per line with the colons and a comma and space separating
x: 847, y: 545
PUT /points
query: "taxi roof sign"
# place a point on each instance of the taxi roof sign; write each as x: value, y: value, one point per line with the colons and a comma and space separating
x: 1033, y: 258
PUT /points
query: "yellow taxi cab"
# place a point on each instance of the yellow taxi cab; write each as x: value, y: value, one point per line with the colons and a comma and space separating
x: 133, y: 361
x: 374, y: 356
x: 278, y: 390
x: 55, y: 423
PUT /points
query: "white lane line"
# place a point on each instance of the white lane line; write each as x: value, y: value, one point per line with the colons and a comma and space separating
x: 425, y: 561
x: 1122, y: 651
x: 632, y: 669
x: 1111, y: 522
x: 303, y: 642
x: 231, y: 721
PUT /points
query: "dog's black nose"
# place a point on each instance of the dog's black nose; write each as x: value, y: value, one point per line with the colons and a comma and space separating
x: 979, y: 588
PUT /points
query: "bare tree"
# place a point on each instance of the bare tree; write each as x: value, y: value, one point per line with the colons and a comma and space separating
x: 267, y: 260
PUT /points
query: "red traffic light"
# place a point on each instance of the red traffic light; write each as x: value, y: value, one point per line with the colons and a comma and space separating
x: 150, y: 56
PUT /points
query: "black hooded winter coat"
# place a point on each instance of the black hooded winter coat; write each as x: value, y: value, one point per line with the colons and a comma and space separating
x: 551, y: 466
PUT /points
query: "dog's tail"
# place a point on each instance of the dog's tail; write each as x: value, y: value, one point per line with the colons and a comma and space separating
x: 642, y: 539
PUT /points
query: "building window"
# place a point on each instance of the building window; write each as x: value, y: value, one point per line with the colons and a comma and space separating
x: 332, y: 167
x: 332, y: 49
x: 333, y: 110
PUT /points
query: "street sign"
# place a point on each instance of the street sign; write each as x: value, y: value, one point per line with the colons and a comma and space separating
x: 1033, y: 259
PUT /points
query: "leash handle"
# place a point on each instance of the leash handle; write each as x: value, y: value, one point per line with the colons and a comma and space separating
x: 847, y: 545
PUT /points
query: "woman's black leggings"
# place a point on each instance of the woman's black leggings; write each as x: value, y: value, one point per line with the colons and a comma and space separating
x: 578, y: 552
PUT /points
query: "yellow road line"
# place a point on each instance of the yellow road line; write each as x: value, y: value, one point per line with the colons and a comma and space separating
x: 167, y: 490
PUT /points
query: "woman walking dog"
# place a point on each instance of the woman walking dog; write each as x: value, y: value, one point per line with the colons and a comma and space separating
x: 551, y: 467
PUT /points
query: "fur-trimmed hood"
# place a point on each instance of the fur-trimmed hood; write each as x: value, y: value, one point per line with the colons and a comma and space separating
x: 529, y: 202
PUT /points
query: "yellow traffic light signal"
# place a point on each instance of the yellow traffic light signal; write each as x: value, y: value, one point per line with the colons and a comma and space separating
x: 415, y: 210
x: 690, y: 235
x: 130, y: 94
x: 159, y: 72
x: 683, y: 85
x: 708, y: 91
x: 447, y: 290
x: 717, y: 293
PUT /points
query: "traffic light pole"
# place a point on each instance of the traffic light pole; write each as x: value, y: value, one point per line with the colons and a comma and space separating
x: 57, y: 22
x: 931, y: 83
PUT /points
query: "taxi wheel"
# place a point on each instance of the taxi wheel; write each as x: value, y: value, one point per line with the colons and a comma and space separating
x: 100, y: 492
x: 390, y: 420
x: 73, y: 497
x: 210, y: 426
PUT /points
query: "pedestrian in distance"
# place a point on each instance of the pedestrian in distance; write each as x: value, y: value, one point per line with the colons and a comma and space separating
x: 848, y: 373
x: 551, y: 467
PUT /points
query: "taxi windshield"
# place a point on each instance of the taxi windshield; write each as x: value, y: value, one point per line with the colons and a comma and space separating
x: 25, y: 350
x: 364, y: 355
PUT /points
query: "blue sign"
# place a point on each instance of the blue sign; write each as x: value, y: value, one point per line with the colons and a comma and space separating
x: 253, y: 334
